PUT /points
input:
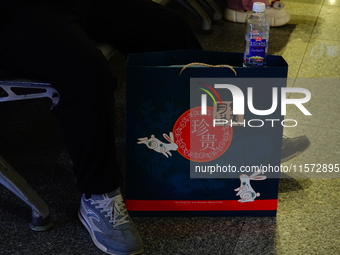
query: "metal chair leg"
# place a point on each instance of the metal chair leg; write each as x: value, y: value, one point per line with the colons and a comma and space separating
x: 16, y: 184
x: 216, y: 10
x: 195, y: 8
x: 22, y: 90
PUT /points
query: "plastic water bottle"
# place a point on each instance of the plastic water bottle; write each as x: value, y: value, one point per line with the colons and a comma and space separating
x: 257, y: 36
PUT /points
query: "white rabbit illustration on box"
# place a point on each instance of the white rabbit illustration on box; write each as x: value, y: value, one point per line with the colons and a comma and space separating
x: 154, y: 144
x: 245, y: 191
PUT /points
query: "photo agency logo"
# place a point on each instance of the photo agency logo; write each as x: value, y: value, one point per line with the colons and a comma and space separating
x: 232, y: 112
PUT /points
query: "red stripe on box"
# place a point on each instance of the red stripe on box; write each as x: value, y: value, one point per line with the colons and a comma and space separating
x: 200, y: 205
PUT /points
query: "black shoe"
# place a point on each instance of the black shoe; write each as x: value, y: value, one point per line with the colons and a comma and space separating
x: 293, y: 147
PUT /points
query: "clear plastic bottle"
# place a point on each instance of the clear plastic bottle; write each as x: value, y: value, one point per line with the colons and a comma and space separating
x: 257, y: 36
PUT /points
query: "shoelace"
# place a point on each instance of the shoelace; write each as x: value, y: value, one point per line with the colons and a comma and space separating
x: 114, y: 208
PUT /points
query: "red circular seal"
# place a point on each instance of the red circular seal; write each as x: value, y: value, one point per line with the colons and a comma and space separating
x: 197, y: 139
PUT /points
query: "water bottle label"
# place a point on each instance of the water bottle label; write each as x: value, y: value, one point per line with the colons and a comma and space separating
x: 257, y: 50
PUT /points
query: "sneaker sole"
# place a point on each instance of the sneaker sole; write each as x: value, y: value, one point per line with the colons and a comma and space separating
x: 96, y: 242
x: 278, y: 22
x: 242, y: 17
x: 236, y: 16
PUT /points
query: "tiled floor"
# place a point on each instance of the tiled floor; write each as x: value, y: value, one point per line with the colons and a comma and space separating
x: 308, y: 216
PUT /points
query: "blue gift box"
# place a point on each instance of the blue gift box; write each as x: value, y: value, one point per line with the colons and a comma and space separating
x: 182, y: 162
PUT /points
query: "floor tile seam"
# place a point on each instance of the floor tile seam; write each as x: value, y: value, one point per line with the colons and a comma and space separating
x: 303, y: 57
x: 313, y: 39
x: 238, y: 238
x: 309, y: 41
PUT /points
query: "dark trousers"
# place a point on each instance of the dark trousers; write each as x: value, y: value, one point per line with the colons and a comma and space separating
x: 54, y: 42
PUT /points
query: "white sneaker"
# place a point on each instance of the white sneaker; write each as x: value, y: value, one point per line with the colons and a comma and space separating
x: 111, y: 228
x: 276, y: 15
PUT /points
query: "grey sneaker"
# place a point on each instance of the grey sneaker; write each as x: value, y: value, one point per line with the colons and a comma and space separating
x: 111, y: 228
x: 293, y: 147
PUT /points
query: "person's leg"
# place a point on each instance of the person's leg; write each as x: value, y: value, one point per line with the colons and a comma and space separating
x: 46, y: 42
x: 49, y: 43
x: 131, y: 26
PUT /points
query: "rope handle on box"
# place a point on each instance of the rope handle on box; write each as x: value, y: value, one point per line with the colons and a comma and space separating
x: 207, y: 65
